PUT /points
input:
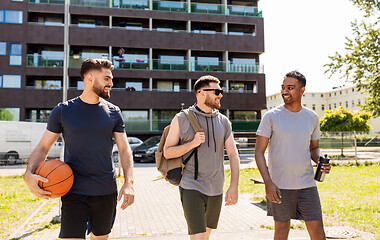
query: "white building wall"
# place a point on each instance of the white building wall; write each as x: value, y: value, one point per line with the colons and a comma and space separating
x: 348, y: 97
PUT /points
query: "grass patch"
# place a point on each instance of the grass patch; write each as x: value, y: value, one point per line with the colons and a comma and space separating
x: 349, y: 195
x: 16, y: 203
x: 246, y: 185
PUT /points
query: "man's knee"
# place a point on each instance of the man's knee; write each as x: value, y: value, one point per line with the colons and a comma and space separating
x: 315, y: 229
x: 281, y: 230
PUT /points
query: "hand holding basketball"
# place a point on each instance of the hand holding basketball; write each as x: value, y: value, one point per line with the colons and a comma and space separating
x: 32, y: 181
x: 60, y: 177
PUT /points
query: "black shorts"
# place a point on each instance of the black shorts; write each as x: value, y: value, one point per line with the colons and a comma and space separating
x: 81, y: 212
x: 302, y: 204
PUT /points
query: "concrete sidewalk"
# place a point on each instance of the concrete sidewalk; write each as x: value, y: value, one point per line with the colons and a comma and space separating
x: 157, y: 215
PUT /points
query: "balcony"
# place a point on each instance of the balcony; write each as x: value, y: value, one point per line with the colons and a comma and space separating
x: 122, y: 64
x: 41, y: 61
x: 91, y: 3
x: 170, y: 65
x: 61, y: 2
x: 159, y: 125
x: 169, y: 6
x: 131, y: 4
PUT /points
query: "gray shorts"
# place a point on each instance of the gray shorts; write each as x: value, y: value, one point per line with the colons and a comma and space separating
x: 302, y: 204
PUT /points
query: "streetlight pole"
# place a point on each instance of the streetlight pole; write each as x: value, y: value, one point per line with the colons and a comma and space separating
x: 66, y: 53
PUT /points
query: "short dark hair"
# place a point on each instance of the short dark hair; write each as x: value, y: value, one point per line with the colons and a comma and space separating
x: 95, y: 64
x: 297, y: 75
x: 205, y: 81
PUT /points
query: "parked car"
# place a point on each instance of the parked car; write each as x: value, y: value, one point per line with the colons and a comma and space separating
x: 133, y: 142
x: 146, y: 151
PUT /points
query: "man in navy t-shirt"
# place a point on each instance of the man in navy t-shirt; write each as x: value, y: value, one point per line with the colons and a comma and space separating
x: 88, y: 123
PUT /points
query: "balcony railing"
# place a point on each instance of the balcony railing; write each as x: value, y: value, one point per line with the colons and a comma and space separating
x: 40, y: 61
x: 245, y: 68
x: 121, y: 63
x: 48, y: 1
x: 207, y: 8
x: 131, y: 4
x: 91, y: 3
x: 243, y: 11
x: 170, y: 65
x: 170, y: 6
x: 159, y: 125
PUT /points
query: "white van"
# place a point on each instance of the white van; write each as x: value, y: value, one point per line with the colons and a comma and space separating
x: 18, y: 139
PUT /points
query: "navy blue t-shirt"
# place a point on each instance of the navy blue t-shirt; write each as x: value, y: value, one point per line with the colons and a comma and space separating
x: 88, y: 130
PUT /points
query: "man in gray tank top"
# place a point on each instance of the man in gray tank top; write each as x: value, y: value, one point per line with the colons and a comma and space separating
x: 292, y: 132
x: 202, y: 196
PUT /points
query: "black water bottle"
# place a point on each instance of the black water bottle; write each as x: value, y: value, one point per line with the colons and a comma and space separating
x: 319, y: 175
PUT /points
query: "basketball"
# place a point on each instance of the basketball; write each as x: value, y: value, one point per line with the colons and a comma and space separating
x: 60, y: 177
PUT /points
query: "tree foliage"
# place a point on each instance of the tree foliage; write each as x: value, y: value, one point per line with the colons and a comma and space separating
x: 360, y: 63
x: 341, y: 120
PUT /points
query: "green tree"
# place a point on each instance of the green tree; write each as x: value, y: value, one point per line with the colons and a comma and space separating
x: 5, y: 115
x: 341, y: 120
x: 360, y: 64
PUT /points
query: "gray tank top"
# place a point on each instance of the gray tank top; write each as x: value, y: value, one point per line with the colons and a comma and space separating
x: 217, y: 129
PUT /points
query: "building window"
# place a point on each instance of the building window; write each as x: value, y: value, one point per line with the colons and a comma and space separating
x: 346, y: 91
x: 340, y: 93
x: 353, y: 90
x: 10, y: 81
x: 304, y: 105
x: 329, y: 106
x: 15, y: 56
x: 243, y: 115
x: 38, y: 115
x: 17, y: 0
x: 11, y: 16
x: 346, y: 104
x: 334, y: 93
x: 312, y: 95
x: 80, y: 85
x: 353, y: 103
x: 10, y: 114
x: 340, y: 104
x: 329, y: 94
x: 334, y: 105
x: 359, y: 101
x: 3, y: 48
x: 323, y: 107
x: 313, y: 106
x: 243, y: 87
x: 47, y: 84
x: 321, y: 95
x: 133, y: 86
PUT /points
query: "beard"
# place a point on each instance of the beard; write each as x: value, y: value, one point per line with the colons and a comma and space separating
x: 101, y: 92
x: 212, y: 104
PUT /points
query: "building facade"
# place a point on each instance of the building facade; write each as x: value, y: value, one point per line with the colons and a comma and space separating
x: 158, y: 48
x: 347, y: 96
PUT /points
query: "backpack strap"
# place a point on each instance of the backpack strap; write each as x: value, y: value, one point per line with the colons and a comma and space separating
x: 197, y: 128
x: 193, y: 121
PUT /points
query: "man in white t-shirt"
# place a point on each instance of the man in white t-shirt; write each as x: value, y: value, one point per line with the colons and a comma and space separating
x: 292, y: 132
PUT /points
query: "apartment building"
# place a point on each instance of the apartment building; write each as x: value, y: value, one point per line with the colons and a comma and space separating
x: 347, y: 96
x: 159, y: 49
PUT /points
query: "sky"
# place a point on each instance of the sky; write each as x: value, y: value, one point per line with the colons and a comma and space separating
x: 300, y: 35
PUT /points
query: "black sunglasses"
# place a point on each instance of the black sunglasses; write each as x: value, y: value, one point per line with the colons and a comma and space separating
x: 216, y: 91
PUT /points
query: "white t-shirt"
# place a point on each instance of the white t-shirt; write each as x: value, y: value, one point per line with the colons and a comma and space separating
x: 290, y: 133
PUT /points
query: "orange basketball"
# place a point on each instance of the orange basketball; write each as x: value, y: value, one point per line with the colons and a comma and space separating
x: 60, y: 177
